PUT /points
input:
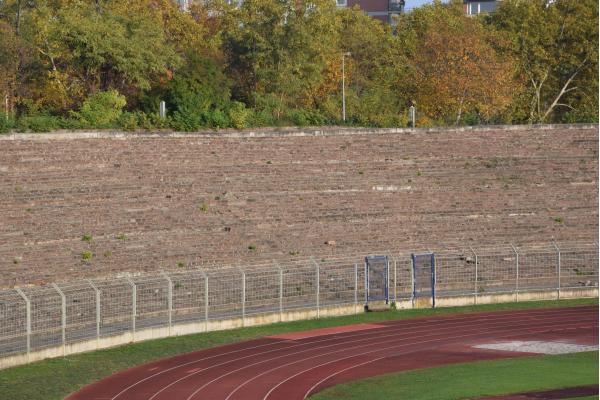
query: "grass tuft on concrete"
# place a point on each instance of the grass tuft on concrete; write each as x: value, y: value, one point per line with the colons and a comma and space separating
x: 56, y: 378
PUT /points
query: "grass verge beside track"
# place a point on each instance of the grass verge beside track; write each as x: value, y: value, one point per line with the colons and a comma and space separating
x: 474, y: 380
x: 56, y: 378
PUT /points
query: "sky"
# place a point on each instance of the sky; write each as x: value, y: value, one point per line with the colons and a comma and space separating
x: 415, y: 3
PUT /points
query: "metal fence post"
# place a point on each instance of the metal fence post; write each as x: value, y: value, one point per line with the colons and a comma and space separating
x: 476, y: 272
x: 63, y: 319
x: 366, y: 284
x: 558, y: 268
x: 205, y: 301
x: 355, y: 288
x: 412, y: 281
x: 318, y: 288
x: 27, y: 320
x: 280, y: 293
x: 133, y: 306
x: 387, y: 281
x: 395, y: 281
x: 243, y: 297
x: 97, y: 293
x: 169, y: 300
x: 517, y: 277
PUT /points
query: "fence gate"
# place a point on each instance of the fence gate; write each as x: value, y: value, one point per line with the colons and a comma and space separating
x: 424, y: 279
x: 376, y: 279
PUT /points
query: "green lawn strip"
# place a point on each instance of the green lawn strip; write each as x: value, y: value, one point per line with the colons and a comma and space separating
x: 55, y: 378
x: 473, y: 380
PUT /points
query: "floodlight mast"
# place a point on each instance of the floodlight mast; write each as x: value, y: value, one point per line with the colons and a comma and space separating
x: 344, y: 55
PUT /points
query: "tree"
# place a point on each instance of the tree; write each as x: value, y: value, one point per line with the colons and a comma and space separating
x: 454, y: 64
x: 9, y: 59
x: 84, y: 47
x: 279, y: 50
x: 556, y: 45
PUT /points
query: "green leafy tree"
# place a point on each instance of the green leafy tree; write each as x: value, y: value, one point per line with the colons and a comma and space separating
x: 85, y: 47
x: 9, y: 58
x: 278, y: 52
x: 556, y: 45
x: 455, y: 65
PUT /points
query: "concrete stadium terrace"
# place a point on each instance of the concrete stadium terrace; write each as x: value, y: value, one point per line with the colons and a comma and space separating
x: 151, y: 202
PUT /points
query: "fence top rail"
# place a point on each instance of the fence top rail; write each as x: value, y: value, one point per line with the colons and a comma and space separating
x: 577, y: 246
x: 11, y: 296
x: 303, y: 265
x: 77, y: 286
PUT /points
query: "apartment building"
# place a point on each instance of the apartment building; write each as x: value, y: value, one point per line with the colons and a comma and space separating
x: 383, y: 10
x: 475, y: 7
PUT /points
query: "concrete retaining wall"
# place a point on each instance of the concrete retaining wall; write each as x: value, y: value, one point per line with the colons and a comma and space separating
x: 288, y: 315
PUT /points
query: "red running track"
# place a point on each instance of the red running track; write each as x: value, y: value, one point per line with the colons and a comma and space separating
x: 294, y: 366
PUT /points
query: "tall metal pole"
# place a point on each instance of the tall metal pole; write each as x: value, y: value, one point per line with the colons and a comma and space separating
x: 344, y: 87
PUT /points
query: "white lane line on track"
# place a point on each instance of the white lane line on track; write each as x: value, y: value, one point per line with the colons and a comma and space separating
x: 307, y: 358
x: 439, y: 319
x: 369, y: 334
x: 472, y: 317
x: 395, y: 355
x: 369, y: 337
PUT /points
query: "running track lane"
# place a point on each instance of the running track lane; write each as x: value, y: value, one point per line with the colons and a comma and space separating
x: 278, y: 368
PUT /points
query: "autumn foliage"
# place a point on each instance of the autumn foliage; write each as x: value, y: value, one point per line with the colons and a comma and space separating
x: 279, y: 62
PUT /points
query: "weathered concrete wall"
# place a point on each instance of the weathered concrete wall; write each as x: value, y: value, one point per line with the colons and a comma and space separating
x: 155, y: 201
x: 263, y: 319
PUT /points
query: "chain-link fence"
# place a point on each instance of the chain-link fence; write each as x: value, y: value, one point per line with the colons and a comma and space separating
x: 36, y: 318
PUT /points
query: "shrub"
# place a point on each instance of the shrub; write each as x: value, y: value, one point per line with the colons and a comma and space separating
x: 6, y: 124
x: 472, y: 118
x: 37, y: 123
x: 101, y: 109
x: 215, y: 119
x: 262, y: 118
x: 129, y: 121
x: 72, y: 123
x: 185, y: 120
x: 239, y: 115
x: 301, y: 117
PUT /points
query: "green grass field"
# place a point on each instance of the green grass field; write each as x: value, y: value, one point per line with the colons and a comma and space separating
x: 473, y: 380
x: 56, y: 378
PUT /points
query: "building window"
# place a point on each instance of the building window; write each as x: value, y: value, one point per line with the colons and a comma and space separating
x: 479, y: 7
x: 342, y: 3
x: 396, y: 5
x: 487, y: 7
